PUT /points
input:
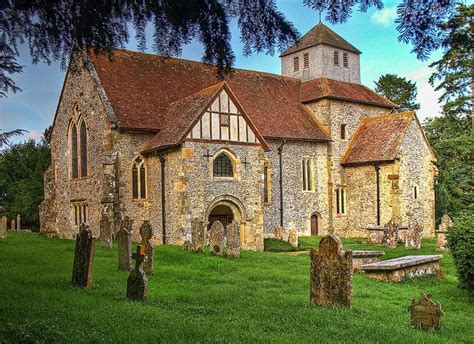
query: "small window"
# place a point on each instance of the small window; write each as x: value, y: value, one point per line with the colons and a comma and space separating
x: 83, y: 148
x: 138, y: 179
x: 225, y: 120
x: 415, y: 192
x: 296, y: 64
x: 345, y: 60
x: 80, y: 213
x: 307, y: 169
x: 341, y: 200
x: 222, y: 166
x: 343, y: 131
x: 336, y: 58
x: 266, y: 184
x: 306, y: 60
x: 74, y: 153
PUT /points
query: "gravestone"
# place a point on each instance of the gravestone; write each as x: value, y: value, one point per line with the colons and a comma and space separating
x: 12, y: 225
x: 124, y: 239
x: 233, y: 240
x: 105, y: 229
x: 331, y: 273
x: 425, y: 313
x: 83, y: 258
x: 187, y: 245
x: 278, y: 231
x: 4, y: 227
x: 443, y: 229
x: 390, y: 234
x: 137, y: 283
x: 217, y: 238
x: 293, y: 238
x: 18, y: 222
x: 414, y: 236
x: 197, y: 233
x: 146, y: 232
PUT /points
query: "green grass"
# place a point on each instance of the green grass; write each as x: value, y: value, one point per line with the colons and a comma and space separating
x: 262, y: 297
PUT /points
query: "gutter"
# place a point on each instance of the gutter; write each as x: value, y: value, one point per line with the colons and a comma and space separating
x: 163, y: 197
x: 377, y: 177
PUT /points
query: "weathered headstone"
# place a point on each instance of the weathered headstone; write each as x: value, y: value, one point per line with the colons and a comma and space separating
x: 146, y: 232
x: 414, y: 236
x: 105, y: 229
x: 331, y: 273
x: 293, y: 238
x: 233, y: 240
x: 390, y: 234
x: 83, y: 258
x: 18, y: 222
x: 217, y: 240
x: 278, y: 231
x: 197, y: 233
x: 4, y: 227
x: 425, y: 313
x: 137, y: 282
x: 12, y: 225
x: 124, y: 239
x: 443, y: 229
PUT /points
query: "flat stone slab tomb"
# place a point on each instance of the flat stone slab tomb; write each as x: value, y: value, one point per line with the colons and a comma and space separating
x: 396, y: 270
x: 360, y: 258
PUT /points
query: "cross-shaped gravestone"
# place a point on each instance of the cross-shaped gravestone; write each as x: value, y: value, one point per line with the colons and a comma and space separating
x: 137, y: 282
x: 83, y: 258
x: 124, y: 239
x: 146, y: 232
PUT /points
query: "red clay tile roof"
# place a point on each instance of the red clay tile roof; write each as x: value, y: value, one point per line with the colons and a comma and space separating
x: 340, y: 90
x: 320, y: 34
x: 377, y: 139
x: 141, y: 88
x: 180, y: 117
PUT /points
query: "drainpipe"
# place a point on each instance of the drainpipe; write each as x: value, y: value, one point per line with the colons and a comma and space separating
x: 163, y: 197
x: 280, y: 151
x: 377, y: 176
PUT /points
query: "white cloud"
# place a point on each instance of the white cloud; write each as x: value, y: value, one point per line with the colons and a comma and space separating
x: 35, y: 134
x: 384, y: 17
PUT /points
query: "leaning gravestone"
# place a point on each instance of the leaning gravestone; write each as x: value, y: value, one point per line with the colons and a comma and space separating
x: 124, y: 239
x: 390, y: 234
x: 233, y: 240
x: 146, y: 232
x: 331, y: 273
x: 414, y: 236
x: 83, y: 258
x: 12, y: 225
x: 278, y: 231
x: 425, y: 313
x: 217, y: 239
x: 197, y: 233
x: 444, y: 226
x: 4, y: 228
x: 18, y: 222
x: 4, y: 222
x: 137, y: 282
x: 293, y: 238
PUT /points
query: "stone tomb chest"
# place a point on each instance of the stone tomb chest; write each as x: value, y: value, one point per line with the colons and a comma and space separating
x: 360, y: 258
x: 396, y: 270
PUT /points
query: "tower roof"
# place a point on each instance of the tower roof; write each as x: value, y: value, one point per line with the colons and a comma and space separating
x: 320, y: 34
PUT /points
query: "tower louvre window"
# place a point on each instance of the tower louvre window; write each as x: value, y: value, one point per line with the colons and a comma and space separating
x: 296, y: 64
x: 345, y: 60
x: 306, y: 60
x: 336, y: 58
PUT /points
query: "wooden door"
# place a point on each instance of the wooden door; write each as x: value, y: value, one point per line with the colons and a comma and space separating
x: 314, y: 225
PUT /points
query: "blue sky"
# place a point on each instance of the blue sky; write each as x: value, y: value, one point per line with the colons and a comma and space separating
x: 374, y: 33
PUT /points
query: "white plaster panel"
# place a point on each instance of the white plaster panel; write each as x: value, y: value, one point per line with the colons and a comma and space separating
x: 215, y: 126
x: 206, y: 126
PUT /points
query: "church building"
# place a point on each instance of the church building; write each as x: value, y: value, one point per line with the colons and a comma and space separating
x: 166, y: 140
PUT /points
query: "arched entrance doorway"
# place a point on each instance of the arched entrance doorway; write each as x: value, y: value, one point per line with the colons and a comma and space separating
x: 315, y: 224
x: 221, y: 213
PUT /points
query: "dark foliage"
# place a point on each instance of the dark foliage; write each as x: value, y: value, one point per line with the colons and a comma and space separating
x: 399, y: 90
x: 461, y: 244
x: 21, y: 180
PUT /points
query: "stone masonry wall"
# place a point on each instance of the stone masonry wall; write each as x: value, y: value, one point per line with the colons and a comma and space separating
x: 61, y: 190
x: 299, y: 205
x: 417, y: 169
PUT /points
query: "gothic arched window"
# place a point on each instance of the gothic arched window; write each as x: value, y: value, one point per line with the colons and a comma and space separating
x: 74, y: 156
x: 138, y: 178
x: 222, y: 166
x: 83, y: 148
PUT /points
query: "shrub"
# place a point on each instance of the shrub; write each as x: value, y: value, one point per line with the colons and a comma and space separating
x: 461, y: 244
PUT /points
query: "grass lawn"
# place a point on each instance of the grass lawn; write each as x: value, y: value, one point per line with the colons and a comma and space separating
x: 262, y: 297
